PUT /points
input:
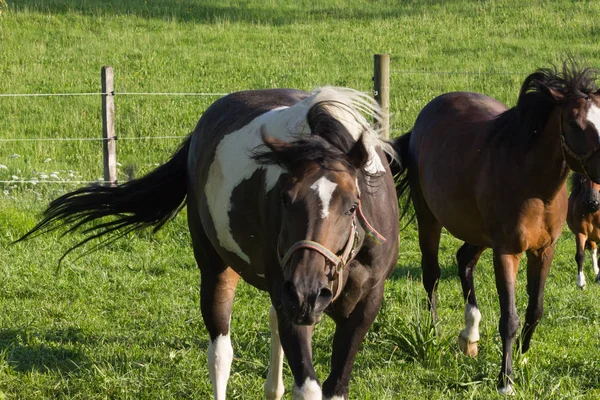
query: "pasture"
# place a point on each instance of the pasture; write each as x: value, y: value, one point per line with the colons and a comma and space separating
x: 124, y: 322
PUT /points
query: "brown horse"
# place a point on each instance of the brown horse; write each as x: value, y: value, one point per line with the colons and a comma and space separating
x: 292, y: 192
x: 495, y: 177
x: 584, y: 221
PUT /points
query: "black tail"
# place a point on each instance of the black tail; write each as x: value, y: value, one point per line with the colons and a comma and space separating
x: 149, y: 201
x: 400, y: 171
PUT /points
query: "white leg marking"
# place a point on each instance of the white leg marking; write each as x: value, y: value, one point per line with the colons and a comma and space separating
x: 595, y: 261
x: 220, y: 356
x: 310, y: 390
x: 581, y: 279
x: 593, y: 116
x: 508, y: 390
x: 472, y: 319
x: 324, y: 188
x: 274, y: 388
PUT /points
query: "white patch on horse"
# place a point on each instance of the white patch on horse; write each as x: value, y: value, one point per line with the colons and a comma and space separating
x: 274, y: 387
x: 310, y: 390
x: 472, y: 319
x: 595, y: 261
x: 231, y: 166
x: 232, y: 163
x: 324, y: 188
x: 581, y: 279
x: 220, y: 356
x: 593, y: 116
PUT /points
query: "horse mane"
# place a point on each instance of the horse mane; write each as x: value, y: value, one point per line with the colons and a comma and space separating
x: 309, y: 148
x: 576, y: 182
x: 522, y: 123
x: 337, y: 119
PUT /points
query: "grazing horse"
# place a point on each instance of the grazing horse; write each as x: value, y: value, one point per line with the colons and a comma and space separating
x: 583, y: 219
x: 495, y: 177
x: 290, y: 191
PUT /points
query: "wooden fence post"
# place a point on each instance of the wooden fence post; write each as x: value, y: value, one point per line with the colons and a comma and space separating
x: 109, y: 147
x: 381, y: 89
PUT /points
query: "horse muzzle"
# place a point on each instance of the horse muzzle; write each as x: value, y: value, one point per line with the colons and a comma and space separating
x: 304, y: 305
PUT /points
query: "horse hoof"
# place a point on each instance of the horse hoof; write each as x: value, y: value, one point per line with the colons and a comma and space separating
x: 507, y: 390
x: 469, y: 349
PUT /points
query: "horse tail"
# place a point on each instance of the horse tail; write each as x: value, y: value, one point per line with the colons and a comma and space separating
x: 400, y: 169
x: 149, y: 201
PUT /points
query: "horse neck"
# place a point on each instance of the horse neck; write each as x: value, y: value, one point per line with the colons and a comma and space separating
x: 545, y: 160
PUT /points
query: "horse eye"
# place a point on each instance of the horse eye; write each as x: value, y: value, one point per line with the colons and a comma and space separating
x: 352, y: 209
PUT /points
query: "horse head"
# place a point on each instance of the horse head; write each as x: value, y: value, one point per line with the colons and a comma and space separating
x: 578, y: 100
x: 319, y: 206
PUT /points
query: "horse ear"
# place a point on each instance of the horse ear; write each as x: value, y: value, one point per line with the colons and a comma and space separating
x: 358, y: 154
x: 271, y: 142
x: 555, y: 94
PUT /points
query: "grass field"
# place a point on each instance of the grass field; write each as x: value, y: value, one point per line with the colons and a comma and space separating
x: 124, y: 322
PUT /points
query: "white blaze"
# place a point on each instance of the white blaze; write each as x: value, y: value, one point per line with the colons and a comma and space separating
x: 324, y: 188
x: 593, y: 116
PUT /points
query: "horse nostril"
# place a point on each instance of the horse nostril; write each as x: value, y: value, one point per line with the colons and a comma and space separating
x: 325, y: 294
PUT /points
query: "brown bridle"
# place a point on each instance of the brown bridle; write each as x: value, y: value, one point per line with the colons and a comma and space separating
x: 336, y: 263
x: 580, y: 158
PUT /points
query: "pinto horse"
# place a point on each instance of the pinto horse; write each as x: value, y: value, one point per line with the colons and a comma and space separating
x: 290, y: 191
x: 583, y: 219
x: 495, y: 177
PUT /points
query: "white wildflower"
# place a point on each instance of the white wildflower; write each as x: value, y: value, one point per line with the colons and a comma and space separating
x: 4, y: 167
x: 47, y: 160
x: 15, y: 178
x: 14, y: 156
x: 43, y: 176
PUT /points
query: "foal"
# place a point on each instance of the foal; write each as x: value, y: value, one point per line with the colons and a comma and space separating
x: 584, y: 221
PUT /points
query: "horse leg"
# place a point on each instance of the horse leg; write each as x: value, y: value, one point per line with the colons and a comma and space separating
x: 467, y: 257
x: 217, y: 289
x: 296, y: 343
x: 580, y: 240
x: 349, y: 333
x: 594, y: 251
x: 538, y: 267
x: 505, y: 271
x: 274, y: 388
x: 429, y: 240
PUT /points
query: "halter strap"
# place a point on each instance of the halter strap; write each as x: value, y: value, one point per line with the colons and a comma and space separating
x: 581, y: 159
x: 337, y: 262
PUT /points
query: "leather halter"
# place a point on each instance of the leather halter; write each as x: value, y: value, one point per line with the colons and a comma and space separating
x: 337, y: 263
x: 581, y: 159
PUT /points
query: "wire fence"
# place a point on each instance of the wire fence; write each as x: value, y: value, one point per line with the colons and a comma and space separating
x: 173, y: 94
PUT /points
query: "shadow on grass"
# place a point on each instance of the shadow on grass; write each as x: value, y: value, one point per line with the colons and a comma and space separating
x: 58, y: 352
x: 215, y: 11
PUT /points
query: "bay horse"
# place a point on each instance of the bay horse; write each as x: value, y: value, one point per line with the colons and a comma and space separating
x: 583, y: 219
x: 495, y: 177
x: 290, y: 191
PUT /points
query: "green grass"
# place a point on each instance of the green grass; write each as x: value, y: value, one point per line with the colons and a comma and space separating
x: 124, y: 322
